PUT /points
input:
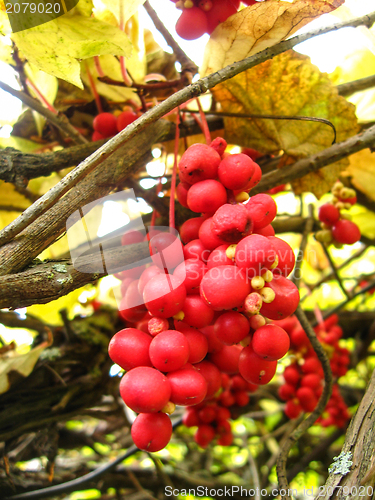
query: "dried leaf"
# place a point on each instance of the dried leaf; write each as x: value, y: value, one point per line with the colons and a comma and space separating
x: 287, y: 85
x: 22, y: 364
x: 258, y: 27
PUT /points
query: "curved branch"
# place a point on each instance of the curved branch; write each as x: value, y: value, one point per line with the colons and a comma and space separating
x: 154, y: 114
x: 346, y: 89
x: 308, y: 422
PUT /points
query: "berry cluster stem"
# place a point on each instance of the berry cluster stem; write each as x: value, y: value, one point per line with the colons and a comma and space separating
x: 174, y: 173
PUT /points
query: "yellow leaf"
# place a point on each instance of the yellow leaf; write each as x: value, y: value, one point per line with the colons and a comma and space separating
x: 361, y: 169
x: 57, y: 46
x: 287, y: 85
x: 127, y: 7
x: 22, y: 364
x: 258, y: 27
x: 49, y: 313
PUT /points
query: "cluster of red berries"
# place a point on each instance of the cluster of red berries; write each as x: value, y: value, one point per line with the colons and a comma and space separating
x: 336, y: 226
x: 304, y: 377
x: 202, y: 16
x: 107, y: 125
x: 212, y: 417
x: 196, y: 317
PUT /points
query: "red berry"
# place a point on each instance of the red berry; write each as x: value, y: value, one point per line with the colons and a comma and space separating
x: 97, y: 136
x: 132, y: 307
x: 169, y: 350
x: 286, y: 299
x: 214, y: 344
x: 145, y: 390
x: 125, y: 119
x: 181, y: 193
x: 189, y: 230
x: 224, y: 287
x: 307, y: 399
x: 196, y: 312
x: 204, y: 435
x: 208, y: 238
x: 151, y: 431
x: 206, y: 196
x: 270, y: 342
x: 196, y: 250
x: 227, y: 359
x: 329, y: 214
x: 254, y: 253
x: 212, y: 375
x: 255, y: 369
x: 190, y: 273
x: 198, y: 344
x: 220, y: 12
x: 166, y: 250
x: 231, y: 223
x: 218, y: 257
x: 219, y: 145
x: 292, y: 375
x: 292, y: 409
x: 235, y: 171
x: 129, y: 348
x: 199, y: 162
x: 262, y: 210
x: 164, y: 295
x: 285, y: 256
x: 231, y: 327
x: 346, y: 232
x: 157, y: 325
x: 192, y: 23
x: 105, y: 124
x: 188, y: 386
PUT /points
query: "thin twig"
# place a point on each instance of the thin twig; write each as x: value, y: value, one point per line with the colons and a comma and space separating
x: 335, y: 272
x: 349, y: 88
x: 308, y: 422
x: 186, y: 63
x: 305, y: 236
x: 59, y: 120
x: 180, y: 97
x: 313, y: 163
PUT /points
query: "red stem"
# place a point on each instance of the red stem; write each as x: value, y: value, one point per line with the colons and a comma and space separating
x: 98, y: 66
x: 174, y: 173
x: 204, y: 126
x: 41, y: 96
x: 93, y: 90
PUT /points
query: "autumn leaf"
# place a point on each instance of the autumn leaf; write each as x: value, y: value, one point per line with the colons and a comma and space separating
x: 258, y: 27
x: 287, y: 85
x: 361, y: 169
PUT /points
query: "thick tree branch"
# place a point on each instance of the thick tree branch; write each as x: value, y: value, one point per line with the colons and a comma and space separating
x: 330, y: 155
x: 59, y: 121
x: 16, y: 167
x: 46, y: 282
x: 180, y: 97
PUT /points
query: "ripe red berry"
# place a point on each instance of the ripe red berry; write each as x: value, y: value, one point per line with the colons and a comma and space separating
x: 254, y: 253
x: 196, y: 312
x: 218, y: 257
x: 307, y: 399
x: 329, y: 214
x: 270, y: 342
x: 224, y: 287
x: 189, y: 230
x: 214, y: 344
x: 235, y: 171
x: 219, y: 145
x: 285, y: 256
x: 255, y: 369
x: 212, y: 375
x: 188, y: 386
x: 198, y: 343
x: 231, y: 327
x: 105, y: 124
x: 221, y: 10
x: 169, y: 350
x: 227, y: 359
x: 192, y: 23
x: 206, y: 196
x: 231, y: 223
x: 190, y: 273
x: 292, y: 375
x: 132, y: 306
x: 151, y: 431
x: 166, y: 250
x: 145, y: 390
x: 199, y: 162
x: 204, y: 435
x: 346, y: 232
x: 164, y: 295
x: 207, y: 237
x: 129, y: 348
x: 125, y: 119
x: 286, y: 299
x: 262, y: 210
x: 181, y: 193
x: 195, y: 249
x: 293, y: 409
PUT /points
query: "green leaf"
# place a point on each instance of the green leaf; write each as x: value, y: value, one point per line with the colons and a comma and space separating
x: 56, y: 47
